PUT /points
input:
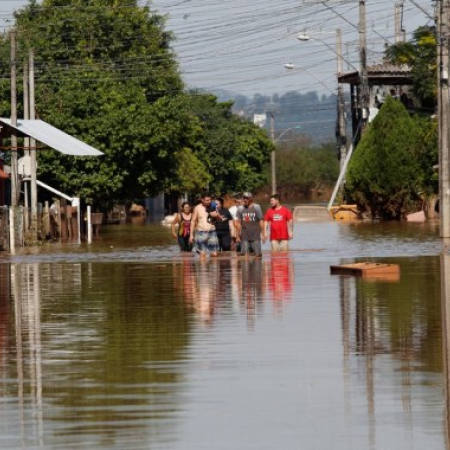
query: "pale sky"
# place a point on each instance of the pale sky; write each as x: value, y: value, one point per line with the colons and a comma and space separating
x: 243, y: 45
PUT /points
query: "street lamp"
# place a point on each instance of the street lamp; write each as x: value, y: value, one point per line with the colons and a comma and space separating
x: 362, y: 72
x: 363, y: 101
x: 290, y: 66
x: 303, y: 37
x: 285, y: 131
x: 273, y: 155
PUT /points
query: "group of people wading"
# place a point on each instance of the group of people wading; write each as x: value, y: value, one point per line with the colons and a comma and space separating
x: 210, y: 228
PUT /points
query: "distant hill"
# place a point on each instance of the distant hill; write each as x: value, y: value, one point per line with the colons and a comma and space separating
x: 309, y: 114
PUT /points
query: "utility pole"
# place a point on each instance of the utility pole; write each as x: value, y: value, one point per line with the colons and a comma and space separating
x: 33, y: 155
x: 364, y: 81
x: 14, y: 165
x: 341, y: 125
x: 342, y: 132
x: 273, y: 169
x: 443, y: 115
x: 340, y: 70
x: 399, y: 32
x: 26, y: 143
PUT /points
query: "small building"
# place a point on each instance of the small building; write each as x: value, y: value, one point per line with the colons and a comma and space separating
x: 48, y: 137
x: 383, y: 79
x: 46, y: 134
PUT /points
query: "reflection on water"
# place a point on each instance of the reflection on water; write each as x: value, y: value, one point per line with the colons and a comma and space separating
x: 160, y: 350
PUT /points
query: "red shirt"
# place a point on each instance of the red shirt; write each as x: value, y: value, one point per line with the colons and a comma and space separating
x: 278, y: 219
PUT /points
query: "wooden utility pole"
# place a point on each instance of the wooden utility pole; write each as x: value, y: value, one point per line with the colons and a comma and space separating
x: 443, y: 115
x: 14, y: 166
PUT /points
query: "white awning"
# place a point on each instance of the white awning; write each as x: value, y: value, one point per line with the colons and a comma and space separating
x: 53, y: 137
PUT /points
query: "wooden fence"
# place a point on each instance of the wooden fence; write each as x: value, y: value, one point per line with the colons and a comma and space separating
x: 56, y: 222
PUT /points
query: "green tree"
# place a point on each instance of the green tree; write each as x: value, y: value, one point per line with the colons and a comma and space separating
x: 420, y: 54
x: 101, y: 66
x: 235, y: 151
x: 106, y: 75
x: 303, y: 169
x: 384, y: 174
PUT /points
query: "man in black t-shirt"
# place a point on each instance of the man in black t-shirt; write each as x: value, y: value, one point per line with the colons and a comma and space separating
x: 250, y: 226
x: 224, y: 226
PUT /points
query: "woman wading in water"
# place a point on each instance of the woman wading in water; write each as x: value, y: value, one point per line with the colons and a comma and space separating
x: 183, y: 220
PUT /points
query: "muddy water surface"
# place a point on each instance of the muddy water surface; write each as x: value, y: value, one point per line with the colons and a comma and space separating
x: 126, y: 344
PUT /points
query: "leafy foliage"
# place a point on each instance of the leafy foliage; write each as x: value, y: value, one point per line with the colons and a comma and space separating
x: 303, y: 169
x: 106, y: 75
x: 390, y: 169
x: 235, y: 151
x: 420, y: 54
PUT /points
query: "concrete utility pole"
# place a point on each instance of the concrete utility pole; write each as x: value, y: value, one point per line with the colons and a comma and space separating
x: 342, y: 132
x: 14, y: 165
x: 399, y: 32
x: 33, y: 155
x: 340, y: 69
x: 443, y: 115
x: 26, y: 142
x: 364, y: 81
x: 273, y: 169
x: 342, y: 127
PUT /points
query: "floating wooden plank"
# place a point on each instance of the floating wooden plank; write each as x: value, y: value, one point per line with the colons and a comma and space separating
x: 388, y: 272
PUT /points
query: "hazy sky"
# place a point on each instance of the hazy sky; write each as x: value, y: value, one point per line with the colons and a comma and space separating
x: 243, y: 45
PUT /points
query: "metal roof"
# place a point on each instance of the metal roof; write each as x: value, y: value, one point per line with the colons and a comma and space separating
x: 52, y: 137
x: 380, y: 74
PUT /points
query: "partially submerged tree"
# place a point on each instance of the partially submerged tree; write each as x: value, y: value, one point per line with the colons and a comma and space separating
x: 105, y: 74
x: 391, y: 168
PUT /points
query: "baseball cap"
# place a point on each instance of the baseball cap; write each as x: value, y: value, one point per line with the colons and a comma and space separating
x: 247, y: 195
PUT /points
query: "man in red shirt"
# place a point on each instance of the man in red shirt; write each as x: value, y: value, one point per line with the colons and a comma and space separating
x: 281, y: 225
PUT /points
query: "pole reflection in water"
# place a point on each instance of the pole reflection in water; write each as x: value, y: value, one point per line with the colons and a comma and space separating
x: 24, y: 282
x: 445, y: 301
x: 390, y: 336
x: 181, y: 354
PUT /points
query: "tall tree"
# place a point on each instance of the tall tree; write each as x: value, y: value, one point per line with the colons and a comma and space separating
x: 384, y: 173
x: 100, y: 66
x: 235, y: 150
x: 420, y: 54
x: 106, y: 74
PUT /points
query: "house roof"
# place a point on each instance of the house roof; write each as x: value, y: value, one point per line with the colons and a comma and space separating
x: 381, y: 74
x: 52, y: 137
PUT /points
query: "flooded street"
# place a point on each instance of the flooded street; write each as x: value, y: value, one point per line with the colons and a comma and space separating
x: 126, y: 344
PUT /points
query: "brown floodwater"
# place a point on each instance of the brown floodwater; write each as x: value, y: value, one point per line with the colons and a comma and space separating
x: 127, y: 344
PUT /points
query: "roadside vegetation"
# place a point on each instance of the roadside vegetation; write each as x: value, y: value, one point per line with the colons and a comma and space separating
x: 105, y: 73
x: 305, y: 171
x: 391, y: 171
